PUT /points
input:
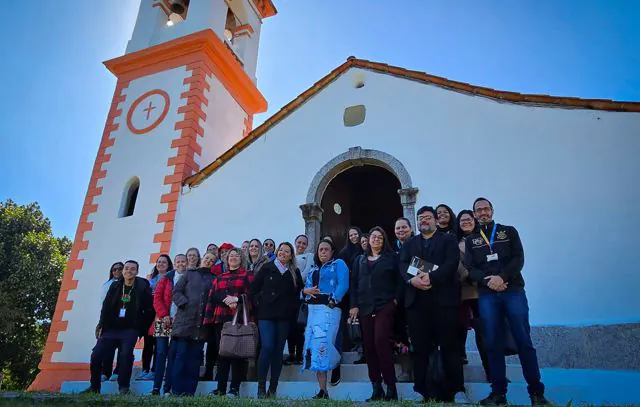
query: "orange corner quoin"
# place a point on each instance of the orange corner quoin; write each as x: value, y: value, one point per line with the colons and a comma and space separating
x: 52, y: 373
x: 204, y: 55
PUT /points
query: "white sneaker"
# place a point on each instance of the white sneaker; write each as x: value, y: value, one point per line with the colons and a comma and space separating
x: 461, y: 398
x: 114, y: 377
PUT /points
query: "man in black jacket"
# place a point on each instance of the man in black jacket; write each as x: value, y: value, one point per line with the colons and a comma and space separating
x: 495, y: 258
x: 127, y: 312
x: 432, y: 299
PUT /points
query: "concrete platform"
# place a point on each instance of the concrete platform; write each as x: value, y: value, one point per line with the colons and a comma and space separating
x: 355, y: 391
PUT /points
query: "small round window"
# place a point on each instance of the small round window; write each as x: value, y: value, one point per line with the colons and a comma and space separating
x: 337, y: 208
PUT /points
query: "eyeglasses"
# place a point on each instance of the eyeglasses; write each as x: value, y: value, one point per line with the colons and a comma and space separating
x: 483, y: 209
x: 428, y: 217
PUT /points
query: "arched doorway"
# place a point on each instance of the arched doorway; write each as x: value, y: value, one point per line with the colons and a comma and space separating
x: 364, y: 196
x: 367, y: 165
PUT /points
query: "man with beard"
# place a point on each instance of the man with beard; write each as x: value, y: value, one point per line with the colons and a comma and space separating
x: 432, y: 299
x: 495, y: 258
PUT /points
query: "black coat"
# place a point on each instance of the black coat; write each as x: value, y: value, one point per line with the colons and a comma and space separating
x: 274, y: 294
x: 141, y: 309
x: 442, y: 250
x: 190, y: 296
x: 373, y: 287
x: 507, y: 245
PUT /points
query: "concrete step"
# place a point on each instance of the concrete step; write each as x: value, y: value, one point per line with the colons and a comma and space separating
x: 473, y: 356
x: 356, y: 391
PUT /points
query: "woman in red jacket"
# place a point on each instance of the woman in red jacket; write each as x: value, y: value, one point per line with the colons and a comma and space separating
x: 165, y: 312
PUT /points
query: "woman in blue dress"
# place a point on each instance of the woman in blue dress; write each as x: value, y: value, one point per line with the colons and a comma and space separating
x: 325, y: 286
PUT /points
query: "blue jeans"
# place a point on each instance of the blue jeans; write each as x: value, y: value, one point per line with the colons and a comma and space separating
x: 122, y: 339
x: 494, y: 308
x: 273, y: 335
x: 186, y: 367
x: 165, y: 355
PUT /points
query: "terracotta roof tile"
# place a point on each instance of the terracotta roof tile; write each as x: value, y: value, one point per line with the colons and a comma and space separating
x: 352, y: 62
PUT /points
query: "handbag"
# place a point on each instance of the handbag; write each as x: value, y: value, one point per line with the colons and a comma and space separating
x: 355, y: 332
x: 303, y: 314
x: 239, y: 340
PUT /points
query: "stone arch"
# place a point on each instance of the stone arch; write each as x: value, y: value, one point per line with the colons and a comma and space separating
x: 354, y: 157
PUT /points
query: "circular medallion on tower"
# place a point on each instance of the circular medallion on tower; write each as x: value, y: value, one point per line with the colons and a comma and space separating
x: 148, y: 111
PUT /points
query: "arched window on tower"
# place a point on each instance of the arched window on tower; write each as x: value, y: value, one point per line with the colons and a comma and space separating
x: 129, y: 197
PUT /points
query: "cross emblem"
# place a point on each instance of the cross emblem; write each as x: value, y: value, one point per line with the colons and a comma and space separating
x: 149, y: 109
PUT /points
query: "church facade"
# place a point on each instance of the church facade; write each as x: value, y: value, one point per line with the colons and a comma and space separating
x: 180, y: 165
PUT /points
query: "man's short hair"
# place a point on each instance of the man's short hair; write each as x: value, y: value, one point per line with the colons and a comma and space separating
x: 426, y: 209
x: 133, y: 262
x: 482, y: 199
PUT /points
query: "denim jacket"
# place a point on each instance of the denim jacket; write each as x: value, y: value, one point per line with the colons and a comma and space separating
x: 334, y: 279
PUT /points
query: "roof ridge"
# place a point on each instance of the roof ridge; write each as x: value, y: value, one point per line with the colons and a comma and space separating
x: 419, y: 76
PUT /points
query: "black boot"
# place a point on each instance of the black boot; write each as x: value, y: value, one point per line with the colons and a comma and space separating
x: 322, y: 395
x: 378, y: 391
x: 494, y: 399
x: 538, y: 400
x: 262, y: 389
x: 392, y: 393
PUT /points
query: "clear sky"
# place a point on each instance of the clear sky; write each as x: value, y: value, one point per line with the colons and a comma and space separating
x: 56, y: 92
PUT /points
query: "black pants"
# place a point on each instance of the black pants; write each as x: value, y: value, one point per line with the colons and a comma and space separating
x: 431, y: 327
x: 238, y: 367
x: 472, y: 307
x: 148, y: 352
x: 212, y: 352
x: 122, y: 339
x: 295, y: 339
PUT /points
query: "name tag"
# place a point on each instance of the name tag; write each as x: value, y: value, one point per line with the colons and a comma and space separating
x: 123, y: 312
x: 492, y: 257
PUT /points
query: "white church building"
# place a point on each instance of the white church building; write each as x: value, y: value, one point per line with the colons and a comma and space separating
x: 180, y: 165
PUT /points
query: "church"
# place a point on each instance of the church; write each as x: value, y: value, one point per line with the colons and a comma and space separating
x: 181, y: 165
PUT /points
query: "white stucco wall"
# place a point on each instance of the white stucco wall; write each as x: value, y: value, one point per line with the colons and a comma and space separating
x: 224, y: 124
x: 565, y: 178
x: 118, y: 239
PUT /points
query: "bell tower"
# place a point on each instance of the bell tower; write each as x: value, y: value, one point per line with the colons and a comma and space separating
x: 185, y: 93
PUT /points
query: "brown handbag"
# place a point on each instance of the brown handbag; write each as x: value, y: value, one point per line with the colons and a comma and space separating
x: 239, y: 341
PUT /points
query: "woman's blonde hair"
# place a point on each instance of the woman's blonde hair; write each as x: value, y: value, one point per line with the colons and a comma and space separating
x: 292, y: 266
x: 243, y: 258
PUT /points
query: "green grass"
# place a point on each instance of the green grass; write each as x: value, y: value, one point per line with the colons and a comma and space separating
x: 54, y: 399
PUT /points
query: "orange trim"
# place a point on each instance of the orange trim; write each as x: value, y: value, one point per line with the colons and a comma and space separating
x: 160, y: 118
x: 352, y: 62
x: 187, y: 145
x: 52, y: 374
x: 265, y: 8
x: 203, y: 48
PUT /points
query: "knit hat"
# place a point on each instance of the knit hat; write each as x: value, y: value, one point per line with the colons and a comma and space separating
x: 226, y: 246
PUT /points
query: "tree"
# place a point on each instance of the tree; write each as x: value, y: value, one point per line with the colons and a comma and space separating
x: 32, y: 261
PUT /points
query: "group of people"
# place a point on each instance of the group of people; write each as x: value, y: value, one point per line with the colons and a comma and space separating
x: 425, y: 289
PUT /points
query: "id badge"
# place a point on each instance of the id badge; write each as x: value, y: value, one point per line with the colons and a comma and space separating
x: 492, y: 257
x: 123, y: 312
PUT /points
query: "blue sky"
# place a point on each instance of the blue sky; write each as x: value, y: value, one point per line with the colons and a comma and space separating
x: 56, y: 92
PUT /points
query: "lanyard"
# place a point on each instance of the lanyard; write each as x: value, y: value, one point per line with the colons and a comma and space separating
x: 493, y: 236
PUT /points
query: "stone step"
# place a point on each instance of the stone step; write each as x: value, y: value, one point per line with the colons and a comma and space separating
x: 356, y: 391
x: 473, y: 356
x: 359, y: 373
